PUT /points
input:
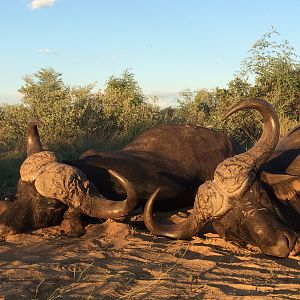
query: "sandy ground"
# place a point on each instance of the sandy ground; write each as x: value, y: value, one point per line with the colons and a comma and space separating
x: 120, y: 261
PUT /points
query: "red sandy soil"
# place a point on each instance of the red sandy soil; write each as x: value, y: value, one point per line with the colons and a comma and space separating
x: 118, y: 261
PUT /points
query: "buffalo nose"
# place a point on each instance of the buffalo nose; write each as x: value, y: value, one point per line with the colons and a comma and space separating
x: 283, y: 244
x: 296, y: 250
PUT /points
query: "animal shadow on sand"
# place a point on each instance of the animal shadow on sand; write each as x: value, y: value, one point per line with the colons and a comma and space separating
x: 117, y: 261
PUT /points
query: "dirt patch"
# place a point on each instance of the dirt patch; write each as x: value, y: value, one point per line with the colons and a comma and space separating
x: 118, y: 261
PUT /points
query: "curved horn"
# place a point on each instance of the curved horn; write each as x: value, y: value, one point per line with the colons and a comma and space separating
x: 70, y: 185
x: 33, y: 141
x: 271, y: 130
x: 100, y: 207
x: 36, y: 156
x: 182, y: 230
x: 204, y: 210
x: 232, y: 179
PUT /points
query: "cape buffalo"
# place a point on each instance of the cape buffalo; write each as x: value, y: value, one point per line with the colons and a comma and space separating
x: 253, y: 196
x: 175, y: 157
x: 47, y: 188
x: 268, y: 215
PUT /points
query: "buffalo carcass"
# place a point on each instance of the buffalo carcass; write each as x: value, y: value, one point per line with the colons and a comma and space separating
x: 49, y: 191
x: 268, y: 215
x: 246, y: 201
x: 175, y: 157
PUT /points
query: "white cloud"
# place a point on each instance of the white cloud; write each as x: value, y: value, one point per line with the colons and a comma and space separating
x: 35, y: 4
x: 165, y: 99
x: 47, y: 51
x: 12, y: 98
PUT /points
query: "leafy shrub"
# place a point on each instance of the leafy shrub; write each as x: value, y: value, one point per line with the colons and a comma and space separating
x: 77, y: 118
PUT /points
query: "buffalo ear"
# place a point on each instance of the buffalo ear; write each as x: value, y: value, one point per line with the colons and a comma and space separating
x: 272, y: 178
x: 285, y: 186
x: 296, y: 185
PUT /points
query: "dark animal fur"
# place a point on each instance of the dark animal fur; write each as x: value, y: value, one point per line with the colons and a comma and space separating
x: 176, y: 158
x: 260, y: 217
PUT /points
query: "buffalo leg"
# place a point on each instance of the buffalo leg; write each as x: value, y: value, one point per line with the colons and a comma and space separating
x: 72, y: 223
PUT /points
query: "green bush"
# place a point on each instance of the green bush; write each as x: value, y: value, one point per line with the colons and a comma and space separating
x: 78, y: 118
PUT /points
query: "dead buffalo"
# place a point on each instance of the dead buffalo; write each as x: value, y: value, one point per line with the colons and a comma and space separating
x: 268, y: 215
x: 253, y: 196
x: 175, y: 157
x: 49, y: 191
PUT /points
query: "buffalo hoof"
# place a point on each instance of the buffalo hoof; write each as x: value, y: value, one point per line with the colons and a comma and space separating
x: 72, y: 224
x: 72, y: 227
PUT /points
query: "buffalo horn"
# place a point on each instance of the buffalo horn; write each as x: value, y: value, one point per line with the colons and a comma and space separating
x: 33, y: 141
x: 232, y: 178
x: 69, y: 184
x: 99, y: 207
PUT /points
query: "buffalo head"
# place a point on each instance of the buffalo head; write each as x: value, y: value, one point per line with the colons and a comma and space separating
x: 268, y: 215
x: 47, y: 187
x: 236, y: 199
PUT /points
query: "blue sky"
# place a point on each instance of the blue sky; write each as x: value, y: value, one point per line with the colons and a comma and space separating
x: 169, y: 45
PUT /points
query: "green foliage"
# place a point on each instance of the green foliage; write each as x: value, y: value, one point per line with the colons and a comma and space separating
x: 124, y: 105
x: 276, y: 72
x: 10, y: 163
x: 190, y: 110
x: 77, y: 118
x: 68, y: 113
x: 43, y: 91
x: 13, y: 122
x: 271, y: 72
